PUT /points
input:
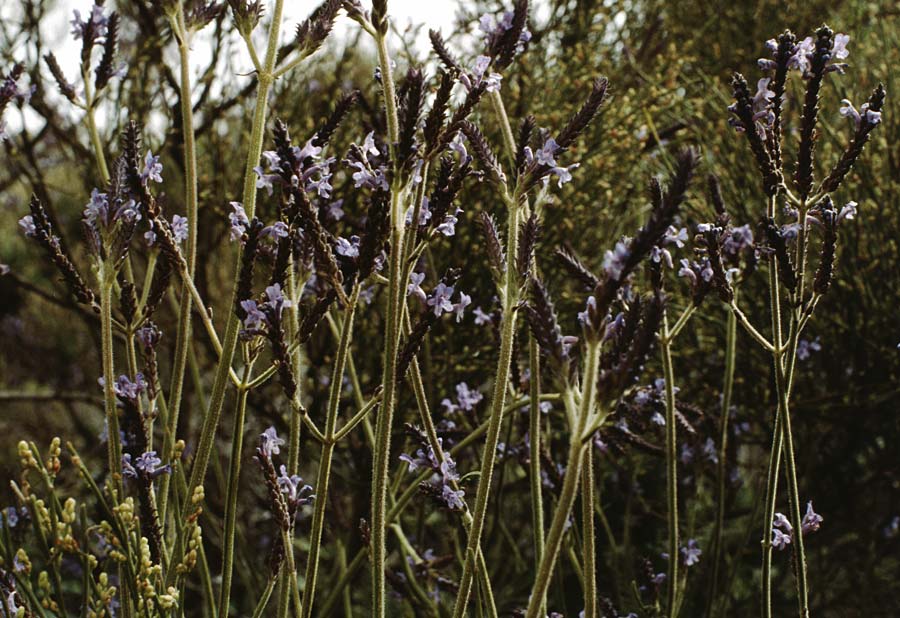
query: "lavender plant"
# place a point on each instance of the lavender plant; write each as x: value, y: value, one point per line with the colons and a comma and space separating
x: 345, y: 235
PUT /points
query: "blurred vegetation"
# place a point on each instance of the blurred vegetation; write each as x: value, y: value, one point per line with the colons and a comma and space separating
x: 668, y: 64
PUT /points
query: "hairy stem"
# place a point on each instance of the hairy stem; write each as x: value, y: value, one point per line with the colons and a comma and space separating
x: 589, y: 543
x: 223, y: 369
x: 381, y: 464
x: 727, y: 388
x: 498, y: 399
x: 324, y: 476
x: 665, y: 345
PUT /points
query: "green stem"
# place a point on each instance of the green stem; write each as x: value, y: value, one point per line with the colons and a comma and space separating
x: 589, y: 544
x: 775, y: 453
x: 92, y: 127
x: 727, y: 389
x: 324, y: 477
x: 671, y: 469
x: 223, y: 369
x: 234, y: 479
x: 381, y: 463
x: 581, y: 416
x: 113, y: 440
x: 534, y: 464
x: 183, y: 335
x: 507, y: 335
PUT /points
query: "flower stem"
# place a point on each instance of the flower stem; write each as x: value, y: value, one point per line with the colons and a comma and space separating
x: 381, y: 463
x: 582, y: 417
x: 727, y: 388
x: 534, y: 436
x: 324, y: 476
x: 113, y: 440
x: 589, y: 544
x: 507, y: 335
x: 665, y: 344
x: 223, y: 369
x: 183, y: 334
x: 234, y: 479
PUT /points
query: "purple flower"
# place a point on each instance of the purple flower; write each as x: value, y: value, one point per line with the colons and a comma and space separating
x: 179, y: 228
x: 805, y: 348
x: 453, y: 498
x: 781, y: 523
x: 614, y: 260
x: 96, y: 19
x: 477, y: 76
x: 98, y: 208
x: 690, y: 555
x: 254, y: 318
x: 369, y: 147
x: 780, y: 540
x: 414, y: 287
x: 276, y: 301
x: 466, y: 397
x: 270, y: 443
x: 459, y: 308
x: 871, y: 117
x: 448, y: 226
x: 147, y: 464
x: 238, y: 220
x: 348, y: 248
x: 848, y: 212
x: 277, y: 230
x: 440, y: 299
x: 839, y: 50
x: 265, y: 181
x: 27, y: 225
x: 481, y: 317
x: 294, y: 490
x: 709, y: 451
x: 584, y: 316
x: 738, y: 239
x: 811, y: 520
x: 152, y: 168
x: 124, y: 388
x: 545, y: 156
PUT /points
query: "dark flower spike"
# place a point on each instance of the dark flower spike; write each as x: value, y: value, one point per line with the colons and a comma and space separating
x: 825, y: 270
x: 529, y: 232
x: 275, y: 333
x: 326, y: 131
x: 410, y: 112
x: 414, y: 341
x: 41, y: 231
x: 248, y: 261
x: 315, y: 314
x: 316, y: 28
x: 569, y: 260
x: 615, y: 380
x: 380, y: 15
x: 65, y: 88
x: 714, y: 191
x: 746, y: 122
x: 627, y: 256
x: 803, y: 176
x: 712, y: 240
x: 483, y: 151
x: 277, y: 503
x: 127, y: 300
x: 504, y: 47
x: 440, y: 49
x: 778, y: 244
x: 865, y: 123
x: 162, y: 276
x: 106, y: 69
x: 583, y: 117
x: 783, y: 53
x: 494, y: 247
x: 376, y: 233
x: 247, y: 14
x: 436, y: 115
x: 199, y: 13
x: 447, y: 186
x: 526, y: 129
x: 541, y: 317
